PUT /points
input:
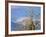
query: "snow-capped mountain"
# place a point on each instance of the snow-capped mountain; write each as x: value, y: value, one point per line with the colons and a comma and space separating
x: 23, y: 22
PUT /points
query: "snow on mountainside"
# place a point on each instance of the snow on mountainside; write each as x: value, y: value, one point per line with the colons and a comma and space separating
x: 23, y: 18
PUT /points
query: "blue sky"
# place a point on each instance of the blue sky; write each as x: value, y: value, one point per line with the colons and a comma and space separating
x: 22, y: 11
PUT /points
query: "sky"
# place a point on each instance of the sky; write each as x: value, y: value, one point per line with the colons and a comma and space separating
x: 23, y: 11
